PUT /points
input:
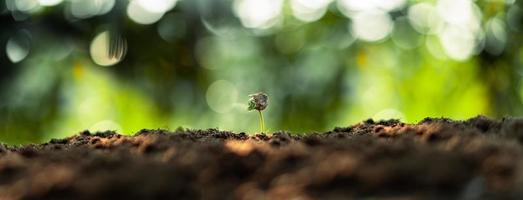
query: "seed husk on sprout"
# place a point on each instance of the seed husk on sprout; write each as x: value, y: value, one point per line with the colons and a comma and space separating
x: 259, y: 101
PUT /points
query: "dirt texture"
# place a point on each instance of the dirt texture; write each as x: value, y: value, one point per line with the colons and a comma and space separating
x: 478, y: 158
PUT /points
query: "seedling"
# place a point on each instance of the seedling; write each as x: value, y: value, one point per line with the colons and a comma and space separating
x: 259, y: 102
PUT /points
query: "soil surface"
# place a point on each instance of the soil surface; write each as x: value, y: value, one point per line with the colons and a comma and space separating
x: 478, y: 158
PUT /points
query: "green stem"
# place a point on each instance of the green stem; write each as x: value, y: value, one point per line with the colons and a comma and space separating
x: 262, y: 122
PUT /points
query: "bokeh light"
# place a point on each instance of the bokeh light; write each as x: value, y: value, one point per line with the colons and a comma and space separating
x: 157, y: 6
x: 258, y: 14
x: 324, y: 63
x: 88, y: 8
x: 99, y: 50
x: 309, y: 11
x: 404, y: 35
x: 350, y: 7
x: 25, y: 5
x: 18, y: 46
x: 424, y: 18
x: 371, y: 25
x: 459, y: 44
x: 142, y: 13
x: 496, y: 36
x: 50, y: 2
x: 171, y: 27
x: 222, y: 96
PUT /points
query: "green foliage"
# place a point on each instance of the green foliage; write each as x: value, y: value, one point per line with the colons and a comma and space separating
x: 192, y: 67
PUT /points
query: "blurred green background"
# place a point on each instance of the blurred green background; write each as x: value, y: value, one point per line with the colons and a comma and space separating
x: 192, y: 63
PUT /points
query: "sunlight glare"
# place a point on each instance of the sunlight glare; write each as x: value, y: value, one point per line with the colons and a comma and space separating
x: 258, y: 14
x: 372, y: 25
x: 309, y: 11
x: 142, y: 14
x: 50, y: 2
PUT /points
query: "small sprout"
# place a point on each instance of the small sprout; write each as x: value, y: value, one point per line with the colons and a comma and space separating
x: 259, y: 102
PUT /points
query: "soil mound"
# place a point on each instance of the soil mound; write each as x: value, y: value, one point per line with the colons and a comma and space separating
x: 439, y: 158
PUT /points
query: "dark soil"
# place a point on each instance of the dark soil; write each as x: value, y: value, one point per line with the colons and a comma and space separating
x: 434, y: 159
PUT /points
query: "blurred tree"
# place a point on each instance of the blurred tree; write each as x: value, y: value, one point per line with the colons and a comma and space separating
x: 190, y: 63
